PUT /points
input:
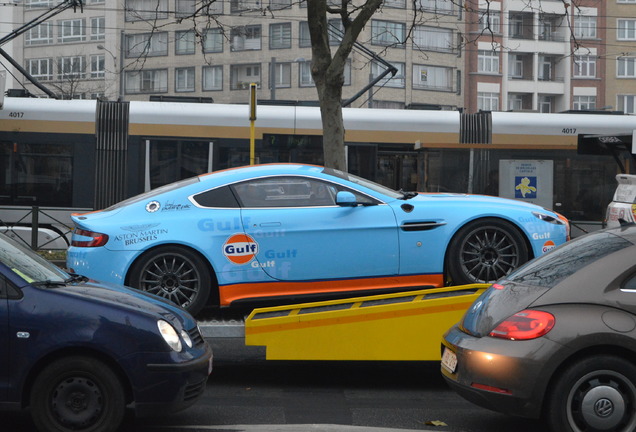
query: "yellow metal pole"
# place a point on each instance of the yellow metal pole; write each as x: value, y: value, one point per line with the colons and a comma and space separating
x: 252, y: 120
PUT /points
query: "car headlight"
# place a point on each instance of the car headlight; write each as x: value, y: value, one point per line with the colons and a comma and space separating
x: 186, y: 338
x: 170, y: 335
x: 547, y: 218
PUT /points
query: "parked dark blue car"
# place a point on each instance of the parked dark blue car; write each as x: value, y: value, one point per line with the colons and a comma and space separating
x: 78, y: 352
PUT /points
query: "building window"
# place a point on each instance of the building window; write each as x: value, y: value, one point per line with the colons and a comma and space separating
x: 626, y: 29
x: 584, y: 102
x: 147, y: 44
x: 280, y: 35
x: 98, y: 28
x: 515, y: 102
x: 33, y: 4
x: 585, y: 66
x: 71, y: 67
x: 488, y: 61
x: 397, y: 81
x: 146, y: 81
x: 435, y: 6
x: 42, y: 69
x: 515, y: 66
x: 585, y: 27
x: 626, y: 103
x: 213, y: 41
x: 336, y: 30
x: 184, y: 42
x: 304, y: 39
x: 241, y: 76
x: 488, y: 101
x: 246, y: 38
x: 305, y: 79
x: 398, y: 4
x: 184, y: 8
x: 433, y: 39
x: 427, y: 77
x: 625, y: 1
x: 143, y: 10
x: 238, y: 6
x: 282, y: 75
x: 184, y: 79
x: 545, y: 104
x: 626, y: 67
x: 388, y: 33
x: 97, y: 66
x: 39, y: 35
x: 279, y: 4
x: 489, y: 21
x: 71, y: 30
x: 546, y: 67
x: 304, y: 74
x: 212, y: 78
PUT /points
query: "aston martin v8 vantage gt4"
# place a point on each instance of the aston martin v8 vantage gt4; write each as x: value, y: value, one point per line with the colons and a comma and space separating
x: 289, y: 232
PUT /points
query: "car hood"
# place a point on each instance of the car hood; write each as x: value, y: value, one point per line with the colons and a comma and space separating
x: 129, y: 299
x: 473, y: 199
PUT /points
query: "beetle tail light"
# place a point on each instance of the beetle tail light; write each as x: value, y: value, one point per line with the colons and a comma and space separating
x: 524, y: 325
x: 84, y: 238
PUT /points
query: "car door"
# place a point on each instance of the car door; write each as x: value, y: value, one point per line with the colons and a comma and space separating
x: 4, y: 341
x: 300, y: 234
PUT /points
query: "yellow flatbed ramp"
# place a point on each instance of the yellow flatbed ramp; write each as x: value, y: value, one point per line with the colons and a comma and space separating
x: 405, y: 326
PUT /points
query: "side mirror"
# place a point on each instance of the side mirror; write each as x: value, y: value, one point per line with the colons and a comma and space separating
x: 346, y: 199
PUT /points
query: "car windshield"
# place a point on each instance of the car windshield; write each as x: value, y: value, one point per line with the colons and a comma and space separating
x: 549, y: 269
x: 28, y: 265
x: 365, y: 183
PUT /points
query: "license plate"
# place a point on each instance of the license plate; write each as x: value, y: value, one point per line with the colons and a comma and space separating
x: 449, y: 360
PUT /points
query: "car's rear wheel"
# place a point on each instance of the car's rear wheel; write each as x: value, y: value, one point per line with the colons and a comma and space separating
x: 484, y: 251
x: 595, y: 394
x: 175, y: 273
x: 77, y: 394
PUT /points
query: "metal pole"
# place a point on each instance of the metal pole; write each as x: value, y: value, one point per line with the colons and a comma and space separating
x: 121, y: 66
x: 272, y: 77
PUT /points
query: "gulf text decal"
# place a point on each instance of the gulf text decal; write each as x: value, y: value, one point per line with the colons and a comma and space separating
x: 240, y: 249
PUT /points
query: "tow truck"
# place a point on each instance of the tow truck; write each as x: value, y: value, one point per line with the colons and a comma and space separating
x: 405, y: 326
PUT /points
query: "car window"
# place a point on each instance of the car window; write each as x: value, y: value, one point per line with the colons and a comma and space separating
x: 221, y: 197
x: 551, y: 268
x: 27, y: 264
x: 285, y: 192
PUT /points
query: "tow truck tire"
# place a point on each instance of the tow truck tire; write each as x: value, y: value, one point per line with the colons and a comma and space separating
x: 77, y: 394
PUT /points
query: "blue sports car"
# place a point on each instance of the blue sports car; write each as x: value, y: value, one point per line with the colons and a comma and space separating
x: 285, y: 233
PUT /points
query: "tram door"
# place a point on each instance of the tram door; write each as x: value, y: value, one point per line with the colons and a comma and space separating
x: 398, y: 170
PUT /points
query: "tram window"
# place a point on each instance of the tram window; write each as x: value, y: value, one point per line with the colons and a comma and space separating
x: 37, y: 174
x: 173, y: 160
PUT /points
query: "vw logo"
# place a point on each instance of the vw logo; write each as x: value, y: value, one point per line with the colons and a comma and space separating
x: 603, y: 407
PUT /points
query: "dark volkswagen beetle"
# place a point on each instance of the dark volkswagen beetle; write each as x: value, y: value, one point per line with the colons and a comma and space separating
x: 556, y: 338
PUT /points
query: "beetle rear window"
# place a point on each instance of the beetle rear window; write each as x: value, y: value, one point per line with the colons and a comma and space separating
x: 550, y: 269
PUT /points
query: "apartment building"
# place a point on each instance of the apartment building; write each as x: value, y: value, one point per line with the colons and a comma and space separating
x: 142, y: 48
x: 543, y: 56
x: 620, y: 42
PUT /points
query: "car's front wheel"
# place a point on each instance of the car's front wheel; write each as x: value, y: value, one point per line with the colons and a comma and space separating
x: 484, y: 251
x: 77, y: 394
x: 595, y: 394
x: 175, y: 273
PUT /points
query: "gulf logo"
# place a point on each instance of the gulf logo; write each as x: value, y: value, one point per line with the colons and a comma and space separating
x: 548, y: 246
x: 240, y: 248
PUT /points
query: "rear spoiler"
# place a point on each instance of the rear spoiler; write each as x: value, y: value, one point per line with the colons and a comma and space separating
x: 608, y: 145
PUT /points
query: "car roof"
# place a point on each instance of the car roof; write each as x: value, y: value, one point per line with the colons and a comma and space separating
x: 261, y: 170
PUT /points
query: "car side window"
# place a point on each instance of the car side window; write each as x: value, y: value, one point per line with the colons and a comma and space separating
x: 285, y: 192
x: 217, y: 198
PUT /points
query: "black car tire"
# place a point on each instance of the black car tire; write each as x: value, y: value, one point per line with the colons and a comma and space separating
x: 596, y: 393
x: 77, y: 394
x: 484, y: 251
x: 174, y: 273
